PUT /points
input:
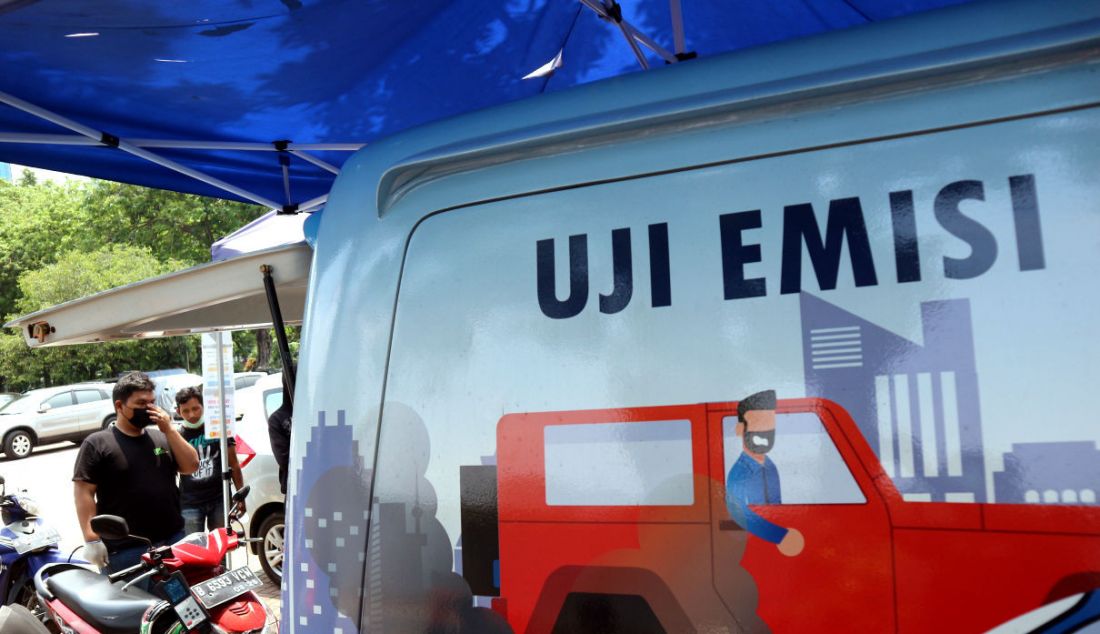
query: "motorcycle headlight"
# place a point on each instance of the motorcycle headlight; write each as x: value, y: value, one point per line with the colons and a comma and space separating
x: 28, y: 505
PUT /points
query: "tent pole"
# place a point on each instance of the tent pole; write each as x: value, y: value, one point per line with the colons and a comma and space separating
x: 676, y: 10
x: 313, y: 204
x: 612, y: 12
x: 650, y: 44
x: 289, y: 375
x: 67, y: 139
x: 113, y: 141
x: 223, y: 442
x: 633, y: 45
x: 46, y: 139
x: 328, y: 167
x: 244, y: 146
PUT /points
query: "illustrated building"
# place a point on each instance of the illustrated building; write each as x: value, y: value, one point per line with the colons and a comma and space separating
x: 1049, y: 473
x: 917, y: 405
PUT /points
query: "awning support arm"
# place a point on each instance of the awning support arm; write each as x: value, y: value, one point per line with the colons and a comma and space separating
x: 289, y: 375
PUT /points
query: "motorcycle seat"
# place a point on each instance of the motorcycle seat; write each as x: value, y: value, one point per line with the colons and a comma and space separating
x: 102, y: 604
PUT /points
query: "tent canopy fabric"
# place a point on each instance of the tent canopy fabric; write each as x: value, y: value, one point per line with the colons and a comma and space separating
x: 270, y: 97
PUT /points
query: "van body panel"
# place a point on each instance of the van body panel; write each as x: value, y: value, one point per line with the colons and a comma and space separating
x: 897, y: 235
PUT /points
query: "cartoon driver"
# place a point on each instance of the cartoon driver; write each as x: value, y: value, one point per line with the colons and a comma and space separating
x: 754, y: 478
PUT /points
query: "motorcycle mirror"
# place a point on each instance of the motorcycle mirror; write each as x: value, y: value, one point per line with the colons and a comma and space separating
x: 110, y: 527
x: 242, y: 493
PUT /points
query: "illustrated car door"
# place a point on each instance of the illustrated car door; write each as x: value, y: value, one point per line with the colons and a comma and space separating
x: 57, y: 416
x: 92, y: 406
x: 843, y: 577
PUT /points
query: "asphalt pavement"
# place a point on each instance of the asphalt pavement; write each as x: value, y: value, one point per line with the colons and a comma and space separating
x: 47, y: 477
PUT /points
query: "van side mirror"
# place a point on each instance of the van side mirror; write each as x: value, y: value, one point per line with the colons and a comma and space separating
x: 110, y: 527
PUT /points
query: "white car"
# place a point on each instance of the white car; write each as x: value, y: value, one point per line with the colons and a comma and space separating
x: 266, y: 502
x: 54, y: 414
x: 166, y: 386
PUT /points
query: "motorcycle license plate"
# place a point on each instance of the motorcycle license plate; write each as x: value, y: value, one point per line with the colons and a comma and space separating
x: 40, y: 538
x: 216, y: 591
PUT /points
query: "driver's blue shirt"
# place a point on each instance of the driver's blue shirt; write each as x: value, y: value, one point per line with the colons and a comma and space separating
x: 750, y: 482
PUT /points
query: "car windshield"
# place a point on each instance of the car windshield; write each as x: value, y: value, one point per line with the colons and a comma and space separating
x: 23, y: 404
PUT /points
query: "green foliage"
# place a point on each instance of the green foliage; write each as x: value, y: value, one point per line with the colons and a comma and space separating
x: 77, y: 274
x: 37, y: 224
x: 170, y: 224
x: 62, y: 242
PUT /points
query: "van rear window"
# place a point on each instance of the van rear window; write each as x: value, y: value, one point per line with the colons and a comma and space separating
x: 619, y: 464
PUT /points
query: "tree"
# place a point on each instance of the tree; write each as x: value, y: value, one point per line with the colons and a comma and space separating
x: 170, y: 224
x: 37, y: 223
x: 78, y: 274
x: 60, y: 242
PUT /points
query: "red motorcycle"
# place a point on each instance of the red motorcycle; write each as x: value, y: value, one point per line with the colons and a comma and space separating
x: 191, y: 589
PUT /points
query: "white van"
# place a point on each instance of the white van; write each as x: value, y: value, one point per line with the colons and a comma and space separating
x: 528, y: 331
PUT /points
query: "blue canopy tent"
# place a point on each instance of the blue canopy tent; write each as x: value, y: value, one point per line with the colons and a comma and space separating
x: 263, y: 100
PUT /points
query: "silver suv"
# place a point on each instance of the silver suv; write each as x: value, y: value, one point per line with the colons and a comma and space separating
x: 54, y: 414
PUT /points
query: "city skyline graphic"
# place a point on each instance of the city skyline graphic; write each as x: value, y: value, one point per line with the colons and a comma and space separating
x: 919, y: 408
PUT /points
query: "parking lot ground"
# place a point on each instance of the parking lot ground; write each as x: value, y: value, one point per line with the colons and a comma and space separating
x: 47, y: 477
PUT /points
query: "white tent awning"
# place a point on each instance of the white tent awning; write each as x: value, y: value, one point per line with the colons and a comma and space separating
x: 226, y: 295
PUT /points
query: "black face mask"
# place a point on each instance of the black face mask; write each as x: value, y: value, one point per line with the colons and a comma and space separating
x: 760, y: 441
x: 140, y: 418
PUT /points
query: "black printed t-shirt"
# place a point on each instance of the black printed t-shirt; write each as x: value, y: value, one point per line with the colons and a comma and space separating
x: 135, y: 478
x: 203, y: 486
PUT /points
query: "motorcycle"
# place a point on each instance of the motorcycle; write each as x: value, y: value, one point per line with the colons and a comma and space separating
x: 27, y: 543
x: 191, y: 589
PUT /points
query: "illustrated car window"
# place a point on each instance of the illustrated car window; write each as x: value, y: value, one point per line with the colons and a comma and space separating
x: 619, y: 464
x: 88, y: 396
x: 64, y: 399
x: 811, y: 469
x: 273, y: 399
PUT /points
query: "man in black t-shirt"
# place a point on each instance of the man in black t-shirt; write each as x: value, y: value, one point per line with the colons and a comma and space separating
x: 129, y: 470
x: 201, y: 493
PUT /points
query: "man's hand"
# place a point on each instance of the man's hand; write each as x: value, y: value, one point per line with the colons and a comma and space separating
x: 793, y: 543
x: 162, y: 418
x: 96, y: 553
x: 241, y: 508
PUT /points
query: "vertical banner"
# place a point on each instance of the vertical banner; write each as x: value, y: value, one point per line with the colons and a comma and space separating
x: 212, y: 402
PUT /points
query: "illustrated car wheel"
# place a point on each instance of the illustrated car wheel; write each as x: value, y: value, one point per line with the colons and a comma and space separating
x: 273, y: 533
x: 110, y: 419
x: 18, y: 444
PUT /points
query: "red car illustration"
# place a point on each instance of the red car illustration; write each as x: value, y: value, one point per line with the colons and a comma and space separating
x: 619, y: 516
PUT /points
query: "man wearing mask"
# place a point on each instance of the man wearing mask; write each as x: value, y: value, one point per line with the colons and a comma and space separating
x: 754, y: 478
x: 129, y: 470
x: 202, y: 493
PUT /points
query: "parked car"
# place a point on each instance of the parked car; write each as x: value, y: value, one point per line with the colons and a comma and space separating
x: 166, y: 387
x: 266, y: 502
x: 7, y: 397
x: 241, y: 380
x: 55, y: 414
